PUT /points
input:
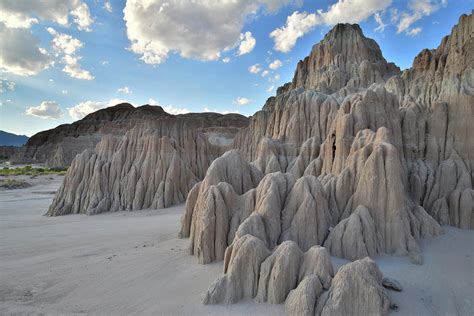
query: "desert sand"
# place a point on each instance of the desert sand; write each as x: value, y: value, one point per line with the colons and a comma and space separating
x: 133, y: 262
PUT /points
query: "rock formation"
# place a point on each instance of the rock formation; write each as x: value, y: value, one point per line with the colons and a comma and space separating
x: 354, y: 237
x: 352, y: 154
x: 152, y: 165
x: 355, y: 290
x: 356, y: 156
x: 59, y: 146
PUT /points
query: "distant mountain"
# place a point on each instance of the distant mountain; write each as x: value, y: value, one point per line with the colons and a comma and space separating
x: 10, y: 139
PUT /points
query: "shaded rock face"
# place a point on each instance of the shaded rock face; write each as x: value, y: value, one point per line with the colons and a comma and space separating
x: 153, y: 165
x: 59, y: 146
x: 353, y: 155
x: 356, y: 290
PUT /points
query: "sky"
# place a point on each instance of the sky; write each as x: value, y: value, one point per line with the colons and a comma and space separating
x: 63, y: 59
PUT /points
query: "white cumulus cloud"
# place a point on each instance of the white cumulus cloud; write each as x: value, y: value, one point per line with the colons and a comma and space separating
x: 226, y: 60
x: 24, y: 13
x: 82, y: 17
x: 157, y: 28
x: 80, y: 110
x: 214, y: 110
x: 255, y: 69
x: 107, y: 6
x: 47, y: 109
x: 343, y: 11
x: 169, y: 108
x: 242, y: 101
x: 125, y: 90
x: 65, y: 47
x: 275, y: 64
x: 247, y: 43
x: 297, y: 25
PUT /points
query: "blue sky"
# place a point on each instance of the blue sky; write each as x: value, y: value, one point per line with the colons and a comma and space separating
x: 61, y: 59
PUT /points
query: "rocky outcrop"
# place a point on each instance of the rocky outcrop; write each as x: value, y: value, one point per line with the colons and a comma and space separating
x: 153, y: 165
x: 274, y: 275
x: 355, y: 290
x: 214, y: 209
x: 354, y: 237
x: 334, y: 65
x: 356, y: 156
x: 241, y: 272
x: 59, y: 146
x: 302, y: 300
x: 303, y: 281
x: 7, y: 152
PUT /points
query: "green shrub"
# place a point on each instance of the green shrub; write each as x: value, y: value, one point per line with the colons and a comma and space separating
x: 29, y: 170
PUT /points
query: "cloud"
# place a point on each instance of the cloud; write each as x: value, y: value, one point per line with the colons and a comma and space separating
x: 169, y: 108
x: 23, y: 14
x: 82, y: 17
x: 297, y: 25
x: 255, y: 69
x: 225, y: 60
x: 107, y: 6
x: 80, y: 110
x: 380, y: 24
x: 265, y: 73
x: 242, y: 101
x: 247, y: 43
x: 64, y: 91
x: 157, y: 28
x: 418, y: 10
x: 275, y: 64
x: 174, y: 110
x: 414, y: 31
x: 343, y: 11
x: 65, y: 46
x: 6, y: 85
x: 214, y: 110
x: 20, y: 53
x: 47, y: 109
x: 271, y: 88
x: 125, y: 90
x: 63, y: 43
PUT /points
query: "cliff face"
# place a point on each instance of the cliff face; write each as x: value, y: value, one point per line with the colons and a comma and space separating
x: 352, y: 155
x: 154, y: 164
x: 59, y: 146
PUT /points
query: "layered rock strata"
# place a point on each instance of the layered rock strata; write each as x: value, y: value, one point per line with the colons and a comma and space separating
x: 59, y: 146
x: 153, y: 165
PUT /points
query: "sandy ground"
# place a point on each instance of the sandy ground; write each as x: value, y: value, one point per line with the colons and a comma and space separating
x: 132, y: 262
